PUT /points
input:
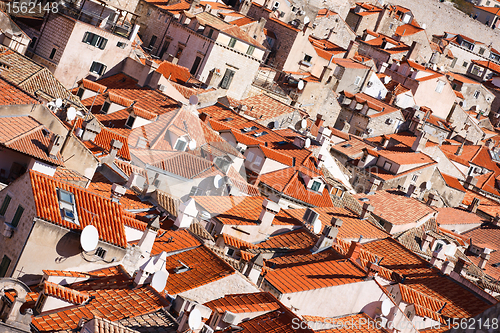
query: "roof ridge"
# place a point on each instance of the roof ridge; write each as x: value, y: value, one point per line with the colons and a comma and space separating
x: 64, y: 293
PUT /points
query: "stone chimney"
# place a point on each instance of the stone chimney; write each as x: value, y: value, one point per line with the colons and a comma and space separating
x: 147, y: 72
x: 245, y: 7
x: 269, y: 211
x: 447, y: 267
x: 410, y: 191
x: 117, y: 191
x: 91, y: 129
x: 351, y: 49
x: 366, y: 210
x: 373, y: 269
x: 430, y: 199
x: 354, y: 250
x: 473, y: 205
x: 55, y: 145
x: 192, y: 7
x: 325, y: 74
x: 375, y: 183
x: 148, y: 238
x: 414, y: 51
x: 420, y: 141
x: 149, y: 268
x: 484, y: 257
x: 319, y: 120
x: 426, y: 241
x: 461, y: 263
x: 470, y: 182
x: 328, y: 235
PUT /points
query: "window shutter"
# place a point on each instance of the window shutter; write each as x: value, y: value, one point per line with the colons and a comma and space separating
x: 17, y: 217
x: 5, y: 205
x: 103, y: 43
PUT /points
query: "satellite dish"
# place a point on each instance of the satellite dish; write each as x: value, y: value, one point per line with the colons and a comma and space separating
x: 307, y: 144
x: 300, y: 85
x: 192, y: 145
x: 307, y: 20
x: 386, y: 307
x: 317, y: 226
x: 428, y: 186
x: 193, y: 100
x: 89, y: 238
x: 194, y: 320
x: 159, y: 281
x: 71, y: 114
x: 59, y: 102
x: 51, y: 105
x: 303, y: 124
x: 217, y: 181
x: 276, y: 124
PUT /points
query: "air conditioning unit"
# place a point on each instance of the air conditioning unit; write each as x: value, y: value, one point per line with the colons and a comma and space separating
x: 206, y: 329
x: 230, y: 318
x: 7, y: 231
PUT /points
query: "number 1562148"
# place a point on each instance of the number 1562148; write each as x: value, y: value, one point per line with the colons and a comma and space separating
x: 31, y: 7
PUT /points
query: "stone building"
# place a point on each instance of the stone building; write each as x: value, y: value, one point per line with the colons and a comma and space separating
x: 331, y: 26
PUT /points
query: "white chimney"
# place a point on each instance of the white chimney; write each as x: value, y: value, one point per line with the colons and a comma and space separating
x: 328, y: 235
x: 148, y: 239
x: 149, y: 268
x: 187, y: 212
x: 269, y: 211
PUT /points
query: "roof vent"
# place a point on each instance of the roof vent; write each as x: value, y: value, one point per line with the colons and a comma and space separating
x: 183, y: 268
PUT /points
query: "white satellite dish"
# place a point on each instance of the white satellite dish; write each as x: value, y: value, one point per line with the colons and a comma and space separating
x: 193, y: 100
x: 71, y: 114
x: 217, y: 181
x: 159, y: 281
x: 192, y: 145
x: 307, y: 144
x: 194, y: 320
x: 428, y: 186
x: 303, y: 124
x: 386, y: 307
x: 317, y: 226
x: 276, y: 124
x: 300, y: 85
x: 59, y: 102
x: 51, y: 105
x: 89, y: 238
x: 307, y: 20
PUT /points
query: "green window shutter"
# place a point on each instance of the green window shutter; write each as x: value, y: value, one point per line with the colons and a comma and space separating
x: 4, y: 266
x: 5, y: 205
x: 17, y: 216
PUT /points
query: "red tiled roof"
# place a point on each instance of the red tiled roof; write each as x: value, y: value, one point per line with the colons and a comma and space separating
x: 65, y: 273
x: 245, y: 303
x: 292, y: 240
x: 64, y: 293
x: 453, y: 182
x: 407, y: 30
x: 68, y: 175
x: 492, y: 10
x: 363, y: 324
x: 279, y: 321
x: 93, y: 209
x: 94, y: 86
x: 264, y: 107
x: 396, y: 208
x: 243, y: 21
x: 237, y: 243
x: 448, y: 216
x: 26, y: 135
x: 174, y: 72
x: 11, y: 94
x: 405, y: 158
x: 488, y: 64
x: 326, y: 49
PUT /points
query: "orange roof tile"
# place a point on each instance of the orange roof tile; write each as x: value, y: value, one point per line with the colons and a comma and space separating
x: 492, y: 10
x: 174, y: 72
x: 93, y: 209
x: 236, y: 242
x: 265, y: 107
x: 245, y: 303
x: 449, y: 215
x: 64, y: 293
x: 292, y: 240
x: 407, y: 30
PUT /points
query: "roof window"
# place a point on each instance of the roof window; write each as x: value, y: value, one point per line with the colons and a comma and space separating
x: 67, y: 206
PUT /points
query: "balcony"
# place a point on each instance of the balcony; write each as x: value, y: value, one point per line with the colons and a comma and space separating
x: 116, y: 23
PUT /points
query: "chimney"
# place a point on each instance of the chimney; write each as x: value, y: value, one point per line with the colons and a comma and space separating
x: 149, y: 268
x: 192, y: 7
x: 117, y: 191
x: 145, y: 76
x: 328, y: 235
x: 319, y: 120
x: 115, y: 146
x: 473, y: 205
x: 496, y: 220
x: 470, y: 182
x: 321, y: 160
x: 437, y: 258
x: 373, y: 269
x: 485, y: 256
x: 351, y: 49
x: 420, y: 141
x: 204, y: 117
x: 269, y: 211
x: 245, y: 7
x: 410, y: 191
x: 366, y: 210
x: 430, y: 199
x: 489, y: 144
x: 460, y: 149
x: 55, y: 145
x: 325, y: 74
x: 91, y: 129
x: 354, y: 250
x: 447, y: 267
x: 426, y: 241
x: 261, y: 25
x: 414, y: 51
x: 148, y: 238
x: 375, y: 184
x: 461, y: 263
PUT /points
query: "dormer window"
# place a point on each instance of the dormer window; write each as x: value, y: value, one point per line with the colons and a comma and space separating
x: 316, y: 186
x: 67, y: 206
x: 105, y: 107
x: 180, y: 144
x: 130, y: 122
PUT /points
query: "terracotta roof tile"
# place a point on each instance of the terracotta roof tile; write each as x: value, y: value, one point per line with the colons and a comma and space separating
x: 265, y: 107
x: 245, y: 303
x: 236, y: 242
x: 64, y: 293
x: 292, y: 240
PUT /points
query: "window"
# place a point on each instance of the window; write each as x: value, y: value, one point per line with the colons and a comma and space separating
x: 105, y: 107
x: 196, y: 64
x: 152, y: 42
x: 391, y: 25
x: 440, y: 86
x: 52, y: 53
x: 210, y: 33
x: 5, y: 205
x: 97, y: 68
x: 121, y: 45
x: 232, y: 42
x: 230, y: 252
x: 250, y: 156
x: 179, y: 52
x: 95, y: 40
x: 149, y: 12
x: 180, y: 144
x: 250, y: 50
x: 130, y: 122
x: 414, y: 178
x: 316, y: 186
x: 33, y: 42
x: 476, y: 94
x: 80, y: 92
x: 494, y: 56
x: 4, y: 266
x: 357, y: 81
x: 387, y: 166
x: 454, y: 62
x: 100, y: 252
x: 17, y: 216
x: 164, y: 49
x: 258, y: 160
x: 307, y: 58
x: 66, y: 197
x: 226, y: 80
x: 439, y: 246
x: 481, y: 50
x: 465, y: 64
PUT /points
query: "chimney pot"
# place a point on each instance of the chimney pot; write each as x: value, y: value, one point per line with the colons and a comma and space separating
x: 366, y: 210
x: 473, y: 205
x: 354, y: 250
